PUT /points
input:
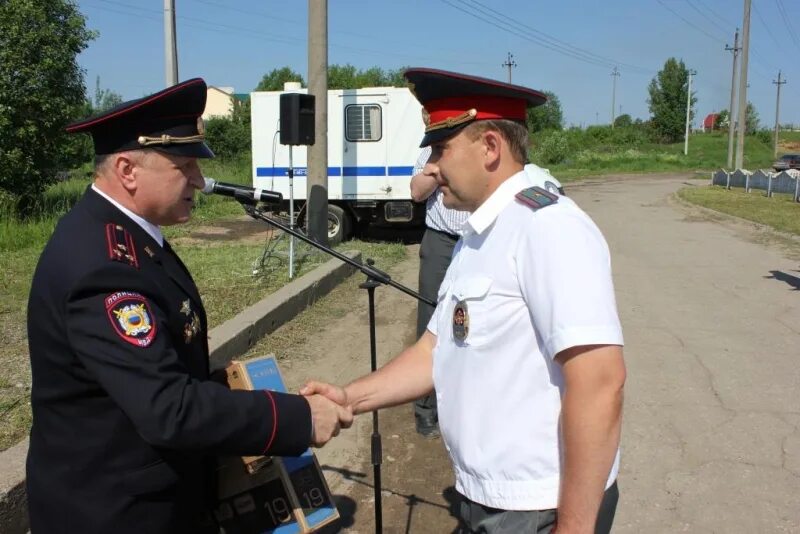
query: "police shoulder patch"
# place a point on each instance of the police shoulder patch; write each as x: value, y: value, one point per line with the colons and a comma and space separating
x: 537, y: 197
x: 131, y: 317
x: 120, y: 245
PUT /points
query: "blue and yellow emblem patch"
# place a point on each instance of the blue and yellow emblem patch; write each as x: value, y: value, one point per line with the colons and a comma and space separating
x: 131, y: 318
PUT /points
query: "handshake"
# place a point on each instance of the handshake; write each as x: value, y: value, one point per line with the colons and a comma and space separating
x: 330, y: 411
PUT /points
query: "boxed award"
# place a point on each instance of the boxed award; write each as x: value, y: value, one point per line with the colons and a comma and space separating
x: 270, y: 494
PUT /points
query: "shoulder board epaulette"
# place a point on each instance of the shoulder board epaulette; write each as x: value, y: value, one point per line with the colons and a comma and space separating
x: 536, y: 197
x: 120, y: 245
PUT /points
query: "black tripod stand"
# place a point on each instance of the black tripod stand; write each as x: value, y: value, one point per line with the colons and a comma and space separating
x: 375, y: 278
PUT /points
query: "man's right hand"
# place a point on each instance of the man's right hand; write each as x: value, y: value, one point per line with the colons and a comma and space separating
x: 327, y: 418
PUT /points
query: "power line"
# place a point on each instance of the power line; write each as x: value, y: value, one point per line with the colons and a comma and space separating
x: 764, y: 24
x: 698, y: 28
x: 713, y: 22
x: 552, y: 40
x: 785, y: 18
x: 507, y: 27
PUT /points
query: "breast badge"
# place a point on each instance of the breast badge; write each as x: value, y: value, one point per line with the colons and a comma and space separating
x: 461, y: 321
x: 131, y: 318
x: 186, y: 308
x: 191, y: 329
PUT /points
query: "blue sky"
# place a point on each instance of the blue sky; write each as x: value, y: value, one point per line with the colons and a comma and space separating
x: 234, y: 43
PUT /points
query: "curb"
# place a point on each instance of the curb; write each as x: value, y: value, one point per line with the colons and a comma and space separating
x: 226, y: 341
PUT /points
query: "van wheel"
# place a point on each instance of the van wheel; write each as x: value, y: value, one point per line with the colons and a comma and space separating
x: 339, y: 225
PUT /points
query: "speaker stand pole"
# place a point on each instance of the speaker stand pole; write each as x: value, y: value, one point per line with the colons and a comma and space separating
x: 291, y: 214
x: 377, y: 449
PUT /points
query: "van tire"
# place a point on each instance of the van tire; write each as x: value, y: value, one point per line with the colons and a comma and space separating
x: 339, y: 224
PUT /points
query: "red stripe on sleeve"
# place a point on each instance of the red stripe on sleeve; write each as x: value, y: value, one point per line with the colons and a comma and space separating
x: 274, y: 421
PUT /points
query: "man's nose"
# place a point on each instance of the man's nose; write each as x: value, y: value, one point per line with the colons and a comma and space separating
x: 196, y: 178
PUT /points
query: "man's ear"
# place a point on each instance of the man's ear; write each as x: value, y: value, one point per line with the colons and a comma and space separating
x: 492, y: 144
x: 125, y: 167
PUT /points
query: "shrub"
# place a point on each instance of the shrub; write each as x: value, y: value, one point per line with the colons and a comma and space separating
x: 226, y: 137
x: 552, y: 148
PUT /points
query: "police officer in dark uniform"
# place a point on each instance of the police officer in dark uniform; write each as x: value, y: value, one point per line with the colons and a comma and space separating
x: 126, y: 422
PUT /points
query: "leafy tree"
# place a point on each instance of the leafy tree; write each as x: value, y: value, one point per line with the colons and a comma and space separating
x: 41, y: 91
x: 274, y: 80
x: 342, y: 77
x: 751, y: 119
x: 723, y: 120
x: 623, y: 121
x: 104, y: 99
x: 667, y: 100
x: 546, y: 117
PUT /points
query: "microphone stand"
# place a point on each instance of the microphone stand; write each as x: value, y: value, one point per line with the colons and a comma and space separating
x: 375, y: 277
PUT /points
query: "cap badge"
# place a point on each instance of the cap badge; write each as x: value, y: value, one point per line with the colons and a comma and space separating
x: 461, y: 321
x: 201, y: 126
x: 450, y: 122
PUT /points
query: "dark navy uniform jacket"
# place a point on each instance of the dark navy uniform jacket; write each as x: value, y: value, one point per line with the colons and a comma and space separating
x: 126, y: 423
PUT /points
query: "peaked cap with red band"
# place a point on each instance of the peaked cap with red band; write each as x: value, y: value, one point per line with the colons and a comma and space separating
x: 455, y: 100
x: 169, y: 121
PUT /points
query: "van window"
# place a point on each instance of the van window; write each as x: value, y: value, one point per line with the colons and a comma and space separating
x: 362, y: 122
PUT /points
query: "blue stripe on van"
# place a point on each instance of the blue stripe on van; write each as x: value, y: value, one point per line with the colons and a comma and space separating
x: 401, y: 171
x: 279, y: 172
x: 363, y: 171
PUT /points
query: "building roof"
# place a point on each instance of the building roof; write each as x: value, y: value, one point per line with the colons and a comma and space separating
x: 710, y: 120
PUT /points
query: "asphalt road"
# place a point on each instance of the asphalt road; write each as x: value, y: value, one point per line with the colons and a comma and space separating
x: 711, y: 437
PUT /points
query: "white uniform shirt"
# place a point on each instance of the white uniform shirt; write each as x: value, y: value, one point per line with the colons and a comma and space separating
x: 535, y: 282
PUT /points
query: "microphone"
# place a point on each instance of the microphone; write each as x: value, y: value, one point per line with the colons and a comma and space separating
x: 240, y: 191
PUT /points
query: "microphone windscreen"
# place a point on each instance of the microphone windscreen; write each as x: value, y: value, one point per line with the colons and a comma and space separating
x: 209, y: 187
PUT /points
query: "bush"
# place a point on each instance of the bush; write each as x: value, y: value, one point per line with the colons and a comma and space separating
x: 552, y: 148
x: 226, y: 137
x: 765, y: 136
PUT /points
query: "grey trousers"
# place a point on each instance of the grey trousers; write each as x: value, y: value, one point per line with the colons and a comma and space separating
x: 478, y: 519
x: 435, y: 252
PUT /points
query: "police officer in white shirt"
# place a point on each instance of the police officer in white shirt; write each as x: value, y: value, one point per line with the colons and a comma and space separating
x: 525, y: 345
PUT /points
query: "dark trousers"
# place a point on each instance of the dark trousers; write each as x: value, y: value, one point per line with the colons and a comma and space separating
x: 478, y: 519
x: 435, y: 252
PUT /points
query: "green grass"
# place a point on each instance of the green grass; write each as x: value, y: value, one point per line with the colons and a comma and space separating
x: 707, y: 152
x: 778, y: 212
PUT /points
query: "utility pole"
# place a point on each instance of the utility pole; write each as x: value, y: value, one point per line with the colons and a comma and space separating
x: 688, y: 113
x: 742, y: 111
x: 509, y: 63
x: 615, y: 75
x: 731, y: 114
x: 777, y: 111
x: 317, y: 176
x: 170, y: 47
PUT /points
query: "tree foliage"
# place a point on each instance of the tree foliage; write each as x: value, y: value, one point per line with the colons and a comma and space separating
x: 274, y: 80
x: 623, y: 121
x: 229, y: 137
x: 104, y: 99
x: 546, y: 117
x: 348, y: 77
x: 667, y: 101
x: 41, y: 91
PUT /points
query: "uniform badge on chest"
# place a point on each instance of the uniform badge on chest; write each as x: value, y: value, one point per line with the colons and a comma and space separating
x: 460, y: 321
x: 191, y: 329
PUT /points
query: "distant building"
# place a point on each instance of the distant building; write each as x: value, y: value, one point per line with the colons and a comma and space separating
x: 710, y: 122
x: 219, y: 102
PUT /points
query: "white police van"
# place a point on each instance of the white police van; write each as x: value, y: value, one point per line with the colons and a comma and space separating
x: 373, y: 144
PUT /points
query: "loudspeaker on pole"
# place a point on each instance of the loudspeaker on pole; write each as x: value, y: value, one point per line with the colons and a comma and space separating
x: 297, y: 119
